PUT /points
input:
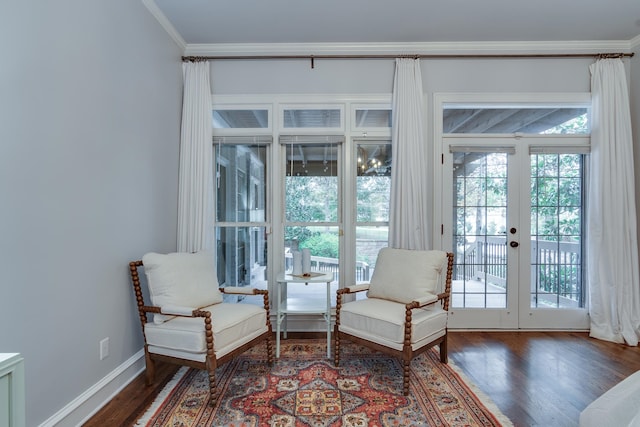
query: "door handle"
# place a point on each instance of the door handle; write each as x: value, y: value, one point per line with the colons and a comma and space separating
x: 514, y: 244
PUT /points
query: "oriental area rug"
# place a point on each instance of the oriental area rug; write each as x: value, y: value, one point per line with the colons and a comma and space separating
x: 304, y: 389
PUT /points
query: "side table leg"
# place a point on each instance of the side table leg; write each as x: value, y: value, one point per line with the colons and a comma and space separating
x: 328, y: 319
x: 278, y: 320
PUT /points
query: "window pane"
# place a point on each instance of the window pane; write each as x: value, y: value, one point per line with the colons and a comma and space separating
x: 237, y: 119
x: 321, y: 118
x: 241, y: 177
x: 373, y: 183
x: 311, y: 183
x: 556, y: 218
x: 373, y: 193
x: 324, y: 245
x: 369, y: 241
x: 528, y: 120
x: 240, y: 191
x: 373, y: 118
x: 241, y: 256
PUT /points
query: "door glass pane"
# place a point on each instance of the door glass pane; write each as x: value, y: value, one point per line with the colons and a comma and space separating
x: 556, y: 229
x: 479, y: 235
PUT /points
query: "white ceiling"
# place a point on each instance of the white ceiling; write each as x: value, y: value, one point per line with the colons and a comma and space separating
x: 400, y: 21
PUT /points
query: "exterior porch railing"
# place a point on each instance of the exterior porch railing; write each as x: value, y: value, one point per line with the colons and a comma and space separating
x: 557, y: 265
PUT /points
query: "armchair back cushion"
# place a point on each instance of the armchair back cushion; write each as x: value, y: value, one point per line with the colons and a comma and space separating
x: 403, y: 275
x: 181, y: 279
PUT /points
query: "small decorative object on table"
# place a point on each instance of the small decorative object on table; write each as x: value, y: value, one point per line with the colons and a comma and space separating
x: 306, y: 262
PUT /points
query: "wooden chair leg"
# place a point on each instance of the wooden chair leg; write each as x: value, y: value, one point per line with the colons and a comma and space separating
x: 444, y: 358
x: 150, y: 369
x: 406, y: 365
x: 336, y: 348
x: 213, y: 389
x: 269, y: 351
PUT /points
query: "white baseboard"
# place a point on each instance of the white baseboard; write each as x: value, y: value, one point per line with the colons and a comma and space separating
x: 83, y: 407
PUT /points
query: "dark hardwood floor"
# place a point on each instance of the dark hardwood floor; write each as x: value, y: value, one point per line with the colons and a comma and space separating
x: 542, y: 378
x: 535, y: 378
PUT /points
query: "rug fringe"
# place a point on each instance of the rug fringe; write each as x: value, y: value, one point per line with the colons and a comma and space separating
x: 160, y: 398
x: 486, y: 400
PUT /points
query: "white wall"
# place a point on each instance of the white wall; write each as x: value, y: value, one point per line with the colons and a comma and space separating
x: 376, y: 76
x: 90, y: 96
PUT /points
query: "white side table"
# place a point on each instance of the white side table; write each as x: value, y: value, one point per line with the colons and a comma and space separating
x: 287, y: 305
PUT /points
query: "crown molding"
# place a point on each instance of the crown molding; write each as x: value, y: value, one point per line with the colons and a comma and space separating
x: 164, y: 22
x: 436, y: 48
x: 634, y: 43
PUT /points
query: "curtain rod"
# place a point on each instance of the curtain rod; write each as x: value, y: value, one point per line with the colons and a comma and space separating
x: 417, y: 56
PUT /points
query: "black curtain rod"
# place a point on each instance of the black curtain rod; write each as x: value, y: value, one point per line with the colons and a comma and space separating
x: 433, y: 56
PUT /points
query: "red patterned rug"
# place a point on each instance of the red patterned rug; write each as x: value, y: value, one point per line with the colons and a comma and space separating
x: 304, y: 388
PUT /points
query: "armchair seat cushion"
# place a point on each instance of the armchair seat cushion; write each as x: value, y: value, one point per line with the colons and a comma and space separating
x: 185, y: 337
x: 382, y: 321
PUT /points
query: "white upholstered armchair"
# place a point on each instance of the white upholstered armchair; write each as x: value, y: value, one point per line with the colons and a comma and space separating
x: 187, y: 322
x: 405, y: 312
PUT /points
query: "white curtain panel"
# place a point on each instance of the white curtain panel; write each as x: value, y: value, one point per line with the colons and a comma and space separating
x: 612, y: 252
x: 195, y: 191
x: 408, y: 217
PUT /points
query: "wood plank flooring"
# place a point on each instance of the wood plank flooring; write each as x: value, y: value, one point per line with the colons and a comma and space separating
x: 535, y: 378
x: 542, y: 378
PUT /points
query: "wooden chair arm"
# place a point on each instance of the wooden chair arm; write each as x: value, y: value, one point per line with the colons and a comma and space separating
x: 150, y: 309
x: 443, y: 295
x: 178, y: 312
x: 353, y: 289
x: 425, y: 300
x: 242, y: 290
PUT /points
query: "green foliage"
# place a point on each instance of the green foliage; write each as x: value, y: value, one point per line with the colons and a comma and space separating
x: 311, y: 198
x: 322, y: 244
x: 559, y: 279
x: 556, y: 196
x: 576, y: 125
x: 373, y: 194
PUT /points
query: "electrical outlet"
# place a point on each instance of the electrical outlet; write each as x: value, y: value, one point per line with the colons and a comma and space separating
x: 104, y: 348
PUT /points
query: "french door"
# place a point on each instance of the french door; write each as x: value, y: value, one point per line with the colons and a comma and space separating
x: 516, y: 209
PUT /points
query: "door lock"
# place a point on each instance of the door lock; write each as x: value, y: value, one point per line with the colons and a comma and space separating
x: 514, y: 244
